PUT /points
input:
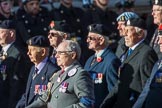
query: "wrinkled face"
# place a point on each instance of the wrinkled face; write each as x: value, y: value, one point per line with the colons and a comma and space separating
x: 93, y: 41
x: 64, y: 57
x: 32, y: 7
x: 131, y: 37
x: 4, y: 36
x: 121, y: 28
x: 54, y: 38
x: 6, y: 7
x: 157, y: 14
x: 160, y: 42
x: 34, y: 54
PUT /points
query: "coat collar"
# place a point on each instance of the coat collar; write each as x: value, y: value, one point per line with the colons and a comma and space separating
x: 134, y: 53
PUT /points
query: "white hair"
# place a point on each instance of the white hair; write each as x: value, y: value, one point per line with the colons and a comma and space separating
x: 73, y: 46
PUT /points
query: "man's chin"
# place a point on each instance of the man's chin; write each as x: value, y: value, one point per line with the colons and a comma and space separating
x: 35, y: 13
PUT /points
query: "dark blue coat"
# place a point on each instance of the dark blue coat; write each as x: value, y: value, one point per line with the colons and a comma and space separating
x: 154, y: 97
x: 42, y: 79
x: 108, y: 67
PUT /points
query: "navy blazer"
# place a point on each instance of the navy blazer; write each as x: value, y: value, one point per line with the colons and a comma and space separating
x: 108, y: 66
x: 43, y: 79
x: 16, y: 71
x: 154, y: 96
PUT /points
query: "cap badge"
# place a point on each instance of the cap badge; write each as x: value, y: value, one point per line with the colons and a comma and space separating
x: 30, y: 42
x: 128, y: 22
x: 52, y: 24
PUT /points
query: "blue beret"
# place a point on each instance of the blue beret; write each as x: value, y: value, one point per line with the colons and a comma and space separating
x: 126, y: 16
x: 8, y: 24
x: 40, y: 41
x: 157, y: 2
x: 99, y: 29
x: 60, y: 26
x: 136, y: 22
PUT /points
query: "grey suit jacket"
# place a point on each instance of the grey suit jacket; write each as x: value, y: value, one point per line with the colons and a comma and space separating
x: 74, y: 89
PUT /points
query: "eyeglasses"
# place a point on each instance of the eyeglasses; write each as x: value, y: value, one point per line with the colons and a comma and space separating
x: 91, y: 38
x: 53, y: 34
x: 62, y: 52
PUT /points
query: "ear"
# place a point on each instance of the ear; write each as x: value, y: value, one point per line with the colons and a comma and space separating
x: 101, y: 40
x: 12, y: 33
x: 43, y: 52
x: 65, y: 36
x: 74, y: 55
x: 140, y: 33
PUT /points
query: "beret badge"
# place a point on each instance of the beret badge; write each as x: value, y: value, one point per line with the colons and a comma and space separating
x: 52, y: 24
x: 128, y: 22
x: 30, y: 42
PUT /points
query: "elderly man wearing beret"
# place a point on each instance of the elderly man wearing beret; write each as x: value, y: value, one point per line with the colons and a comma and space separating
x: 135, y: 69
x: 59, y: 31
x: 40, y: 73
x: 121, y: 19
x: 13, y: 66
x: 157, y: 18
x: 103, y: 65
x: 72, y: 86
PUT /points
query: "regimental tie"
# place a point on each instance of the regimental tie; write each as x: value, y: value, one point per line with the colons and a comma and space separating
x: 129, y: 51
x: 35, y: 72
x: 59, y: 77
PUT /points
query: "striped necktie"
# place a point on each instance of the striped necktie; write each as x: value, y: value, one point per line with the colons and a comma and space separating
x: 35, y: 72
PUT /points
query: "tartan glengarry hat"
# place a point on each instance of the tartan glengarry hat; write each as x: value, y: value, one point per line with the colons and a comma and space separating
x: 137, y: 22
x: 60, y: 26
x: 99, y: 29
x: 8, y: 24
x: 157, y: 2
x: 40, y: 41
x: 126, y: 16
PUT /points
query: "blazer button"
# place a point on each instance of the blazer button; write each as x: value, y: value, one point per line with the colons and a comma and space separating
x: 56, y: 96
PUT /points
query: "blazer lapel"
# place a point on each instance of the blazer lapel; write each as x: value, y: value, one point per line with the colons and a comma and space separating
x: 63, y: 77
x: 29, y: 84
x: 41, y: 81
x: 135, y: 52
x: 102, y: 56
x: 56, y: 83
